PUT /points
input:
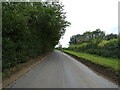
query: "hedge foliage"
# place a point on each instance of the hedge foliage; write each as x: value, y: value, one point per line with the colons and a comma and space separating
x: 103, y: 47
x: 29, y: 30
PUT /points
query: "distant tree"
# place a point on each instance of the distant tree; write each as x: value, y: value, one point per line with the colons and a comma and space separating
x: 88, y: 36
x: 111, y: 36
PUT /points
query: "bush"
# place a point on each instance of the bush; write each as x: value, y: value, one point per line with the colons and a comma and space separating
x: 104, y: 48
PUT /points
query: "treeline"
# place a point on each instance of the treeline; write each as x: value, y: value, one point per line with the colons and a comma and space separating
x: 30, y: 29
x: 96, y: 42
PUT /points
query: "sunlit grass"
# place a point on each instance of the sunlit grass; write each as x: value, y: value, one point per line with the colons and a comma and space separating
x: 108, y: 62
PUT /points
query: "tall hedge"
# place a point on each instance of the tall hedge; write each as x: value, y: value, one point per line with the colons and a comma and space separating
x: 30, y: 29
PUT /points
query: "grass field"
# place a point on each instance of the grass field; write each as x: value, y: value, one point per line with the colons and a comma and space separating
x: 108, y: 62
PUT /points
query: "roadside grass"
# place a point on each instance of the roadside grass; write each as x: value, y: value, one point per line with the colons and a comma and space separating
x: 107, y: 62
x: 7, y: 72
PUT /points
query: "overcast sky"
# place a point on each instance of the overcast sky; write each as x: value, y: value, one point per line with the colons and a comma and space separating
x: 89, y: 15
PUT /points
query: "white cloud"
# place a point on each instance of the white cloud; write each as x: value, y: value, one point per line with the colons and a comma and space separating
x: 87, y: 15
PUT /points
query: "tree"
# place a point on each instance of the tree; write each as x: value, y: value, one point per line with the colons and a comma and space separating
x: 30, y: 29
x: 111, y: 36
x: 88, y: 36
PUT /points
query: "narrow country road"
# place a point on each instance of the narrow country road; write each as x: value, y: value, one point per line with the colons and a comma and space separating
x: 59, y: 70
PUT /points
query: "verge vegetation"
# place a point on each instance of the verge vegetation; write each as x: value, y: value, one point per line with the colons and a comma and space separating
x: 107, y: 62
x: 97, y: 43
x: 96, y: 47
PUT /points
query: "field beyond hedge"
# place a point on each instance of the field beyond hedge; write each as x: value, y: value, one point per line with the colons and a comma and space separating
x: 107, y: 62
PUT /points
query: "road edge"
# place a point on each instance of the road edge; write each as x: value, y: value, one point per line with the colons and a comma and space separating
x: 98, y: 69
x: 23, y: 70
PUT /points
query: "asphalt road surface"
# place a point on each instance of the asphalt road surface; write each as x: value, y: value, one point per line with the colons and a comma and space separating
x: 59, y: 70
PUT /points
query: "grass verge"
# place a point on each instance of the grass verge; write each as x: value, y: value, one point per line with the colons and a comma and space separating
x: 107, y: 62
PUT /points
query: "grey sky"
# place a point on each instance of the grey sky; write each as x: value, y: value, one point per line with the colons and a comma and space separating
x: 88, y: 15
